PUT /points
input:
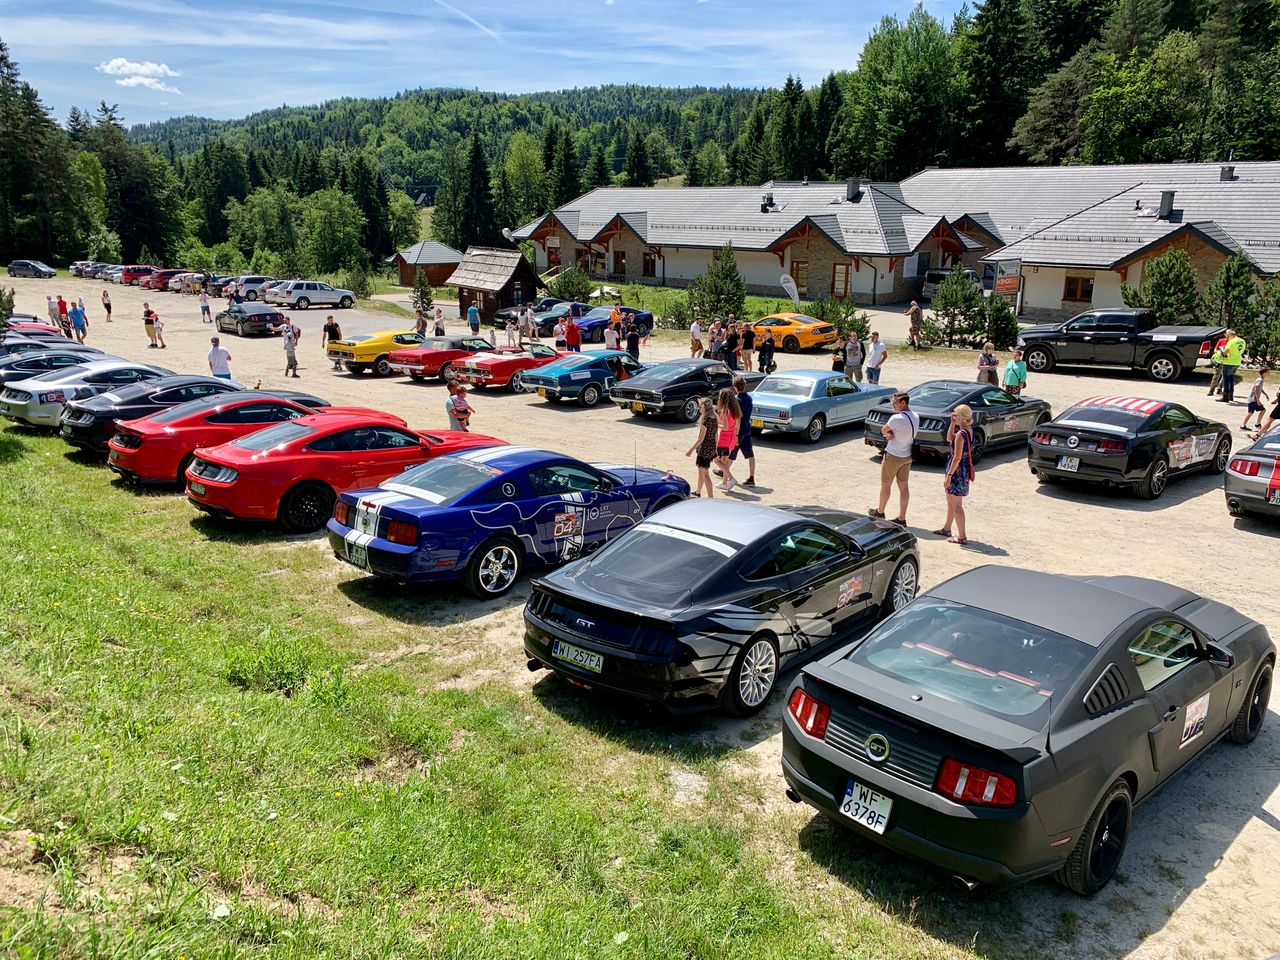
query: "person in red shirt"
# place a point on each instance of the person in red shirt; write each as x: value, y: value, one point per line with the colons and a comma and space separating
x: 1215, y: 385
x: 572, y: 335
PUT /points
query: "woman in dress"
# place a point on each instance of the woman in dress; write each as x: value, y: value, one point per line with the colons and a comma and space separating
x: 988, y: 364
x: 959, y: 473
x: 729, y: 413
x: 705, y: 446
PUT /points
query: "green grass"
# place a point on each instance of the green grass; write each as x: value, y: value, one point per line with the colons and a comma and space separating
x: 215, y: 741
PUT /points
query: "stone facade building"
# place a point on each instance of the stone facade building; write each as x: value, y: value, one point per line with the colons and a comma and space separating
x: 1079, y: 232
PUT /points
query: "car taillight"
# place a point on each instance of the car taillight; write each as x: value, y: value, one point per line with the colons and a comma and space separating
x: 1042, y: 437
x: 812, y: 714
x: 1112, y: 446
x: 784, y: 415
x: 342, y: 513
x: 1246, y: 468
x: 966, y: 783
x: 1205, y: 348
x: 398, y: 531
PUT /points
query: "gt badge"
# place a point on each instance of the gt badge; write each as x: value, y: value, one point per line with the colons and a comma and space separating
x: 876, y: 748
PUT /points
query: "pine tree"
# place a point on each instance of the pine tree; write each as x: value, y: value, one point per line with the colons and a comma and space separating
x: 1230, y: 299
x: 598, y: 171
x: 692, y: 174
x: 476, y: 224
x: 1135, y: 26
x: 637, y: 172
x: 566, y: 182
x: 1168, y: 288
x: 830, y: 100
x: 421, y: 298
x: 998, y: 70
x: 721, y: 290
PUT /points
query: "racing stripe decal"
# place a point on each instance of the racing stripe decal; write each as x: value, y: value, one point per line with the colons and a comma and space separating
x: 1273, y: 484
x: 485, y: 454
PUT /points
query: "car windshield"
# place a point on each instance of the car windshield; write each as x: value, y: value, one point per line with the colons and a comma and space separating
x: 653, y: 563
x: 999, y: 665
x: 281, y: 433
x: 666, y: 372
x: 442, y: 480
x: 786, y: 386
x: 936, y: 395
x: 598, y: 313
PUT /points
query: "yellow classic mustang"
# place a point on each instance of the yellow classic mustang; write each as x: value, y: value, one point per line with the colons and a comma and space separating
x: 371, y: 350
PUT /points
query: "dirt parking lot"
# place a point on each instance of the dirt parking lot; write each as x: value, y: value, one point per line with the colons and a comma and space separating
x: 1198, y: 879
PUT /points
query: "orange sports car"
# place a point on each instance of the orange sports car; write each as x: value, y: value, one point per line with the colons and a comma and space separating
x: 794, y: 332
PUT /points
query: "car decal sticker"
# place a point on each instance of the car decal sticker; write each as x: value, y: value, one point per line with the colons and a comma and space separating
x: 1193, y: 726
x: 1011, y: 423
x: 485, y: 454
x: 848, y: 590
x: 567, y: 525
x: 416, y: 493
x: 1135, y: 404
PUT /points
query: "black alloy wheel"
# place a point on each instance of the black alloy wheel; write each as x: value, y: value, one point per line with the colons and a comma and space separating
x: 306, y: 508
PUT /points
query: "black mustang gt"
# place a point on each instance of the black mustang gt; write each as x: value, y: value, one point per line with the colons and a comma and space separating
x: 703, y: 602
x: 674, y: 388
x: 1128, y: 441
x: 90, y: 424
x: 1003, y: 725
x: 998, y: 417
x: 23, y: 366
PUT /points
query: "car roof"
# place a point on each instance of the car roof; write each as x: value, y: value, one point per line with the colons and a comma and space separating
x: 344, y: 420
x: 512, y: 457
x: 1087, y: 609
x: 1141, y: 405
x: 804, y: 374
x: 726, y: 520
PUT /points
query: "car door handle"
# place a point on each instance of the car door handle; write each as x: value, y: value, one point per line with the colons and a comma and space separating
x: 1170, y: 714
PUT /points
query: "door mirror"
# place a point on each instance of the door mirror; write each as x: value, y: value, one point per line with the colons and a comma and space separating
x: 1218, y: 657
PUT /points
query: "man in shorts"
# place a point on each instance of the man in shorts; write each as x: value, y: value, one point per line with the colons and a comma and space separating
x: 695, y: 338
x: 1256, y: 393
x: 744, y: 431
x: 895, y: 467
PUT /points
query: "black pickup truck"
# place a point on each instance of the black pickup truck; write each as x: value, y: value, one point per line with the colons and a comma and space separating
x: 1118, y: 338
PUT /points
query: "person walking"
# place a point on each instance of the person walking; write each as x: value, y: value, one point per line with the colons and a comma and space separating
x: 705, y: 447
x: 419, y: 323
x: 64, y: 320
x: 1215, y: 361
x: 205, y: 315
x: 877, y: 353
x: 439, y: 322
x: 328, y: 333
x: 839, y: 355
x: 895, y: 465
x: 51, y: 306
x: 572, y: 335
x: 915, y: 332
x: 1232, y: 357
x: 695, y: 338
x: 729, y: 413
x: 473, y: 319
x: 633, y: 341
x: 610, y: 337
x: 79, y: 322
x: 219, y: 360
x: 765, y: 353
x: 959, y: 473
x: 1256, y: 393
x: 745, y: 447
x: 748, y: 347
x: 149, y: 325
x: 158, y: 324
x: 853, y: 357
x: 451, y: 386
x: 290, y: 334
x: 988, y: 364
x: 106, y: 304
x: 1015, y: 374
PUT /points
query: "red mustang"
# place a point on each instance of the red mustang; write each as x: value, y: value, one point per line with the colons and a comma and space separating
x: 293, y: 472
x: 159, y: 448
x: 501, y: 368
x: 436, y: 356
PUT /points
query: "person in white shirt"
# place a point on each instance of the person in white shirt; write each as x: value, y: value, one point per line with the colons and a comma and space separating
x: 610, y: 338
x: 219, y: 360
x: 895, y: 466
x: 204, y: 307
x: 695, y: 338
x: 558, y: 333
x: 876, y: 354
x: 290, y: 334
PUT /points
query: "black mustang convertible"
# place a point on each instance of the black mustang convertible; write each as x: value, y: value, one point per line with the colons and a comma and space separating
x: 703, y: 602
x: 1003, y: 725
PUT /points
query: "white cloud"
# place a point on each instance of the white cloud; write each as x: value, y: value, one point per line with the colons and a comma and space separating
x: 151, y: 83
x: 610, y: 3
x: 120, y: 67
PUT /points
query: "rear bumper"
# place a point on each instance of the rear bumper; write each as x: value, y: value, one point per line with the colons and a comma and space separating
x: 392, y: 561
x: 552, y: 390
x: 229, y: 500
x: 32, y: 414
x: 1092, y: 470
x: 88, y: 436
x: 924, y: 442
x: 1248, y: 495
x: 148, y: 468
x: 643, y: 403
x: 411, y: 368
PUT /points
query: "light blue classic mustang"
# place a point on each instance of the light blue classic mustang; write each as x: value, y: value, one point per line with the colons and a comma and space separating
x: 810, y: 401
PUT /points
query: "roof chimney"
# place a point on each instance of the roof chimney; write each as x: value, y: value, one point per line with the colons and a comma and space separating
x: 853, y: 189
x: 806, y: 180
x: 1227, y: 173
x: 1166, y: 204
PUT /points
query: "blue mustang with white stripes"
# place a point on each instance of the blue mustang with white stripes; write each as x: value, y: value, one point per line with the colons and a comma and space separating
x: 483, y: 515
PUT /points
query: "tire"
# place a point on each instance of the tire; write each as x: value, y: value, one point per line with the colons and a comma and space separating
x: 1097, y: 854
x: 1039, y: 360
x: 494, y: 568
x: 346, y: 303
x: 589, y: 396
x: 355, y: 367
x: 979, y: 445
x: 516, y: 383
x: 306, y: 508
x: 1164, y: 368
x: 816, y: 428
x: 416, y: 377
x: 1221, y: 456
x: 642, y: 329
x: 303, y: 303
x: 597, y: 336
x: 446, y: 373
x: 689, y: 411
x: 382, y: 367
x: 1157, y: 478
x: 752, y: 678
x: 251, y: 295
x: 183, y: 464
x: 663, y: 504
x: 790, y: 344
x: 903, y: 587
x: 1253, y: 712
x: 240, y: 328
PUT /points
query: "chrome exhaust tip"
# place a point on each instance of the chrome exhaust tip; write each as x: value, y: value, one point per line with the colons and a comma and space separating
x: 964, y: 883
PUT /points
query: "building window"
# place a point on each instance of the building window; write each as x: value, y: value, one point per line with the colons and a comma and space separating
x: 650, y: 266
x: 553, y: 256
x: 840, y: 280
x: 1078, y: 288
x: 620, y: 262
x: 800, y: 274
x: 597, y: 262
x: 923, y: 259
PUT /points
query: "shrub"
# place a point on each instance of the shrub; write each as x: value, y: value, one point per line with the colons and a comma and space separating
x: 265, y: 262
x: 272, y: 666
x: 848, y: 320
x: 1001, y: 323
x: 104, y: 245
x: 6, y: 307
x: 357, y: 281
x: 422, y: 293
x: 571, y: 284
x: 1262, y: 333
x: 1168, y: 288
x: 958, y: 310
x: 721, y: 290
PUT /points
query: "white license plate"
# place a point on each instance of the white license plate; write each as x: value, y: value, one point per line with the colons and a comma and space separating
x: 358, y: 555
x: 113, y: 455
x: 197, y: 488
x: 867, y: 807
x: 1274, y: 497
x: 1069, y: 464
x: 577, y: 656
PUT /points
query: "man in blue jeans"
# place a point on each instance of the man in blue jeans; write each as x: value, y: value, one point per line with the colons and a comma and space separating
x: 473, y: 319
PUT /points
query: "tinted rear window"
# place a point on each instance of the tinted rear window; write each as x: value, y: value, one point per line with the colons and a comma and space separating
x: 274, y: 436
x: 999, y: 665
x: 443, y: 480
x: 1117, y: 418
x: 935, y: 276
x: 652, y: 565
x: 181, y: 410
x: 665, y: 373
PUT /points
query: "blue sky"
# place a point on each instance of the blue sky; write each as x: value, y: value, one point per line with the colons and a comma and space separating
x: 227, y: 58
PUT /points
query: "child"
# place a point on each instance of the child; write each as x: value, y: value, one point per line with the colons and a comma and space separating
x: 159, y: 328
x: 1015, y: 374
x: 1255, y: 400
x: 461, y: 410
x: 510, y: 327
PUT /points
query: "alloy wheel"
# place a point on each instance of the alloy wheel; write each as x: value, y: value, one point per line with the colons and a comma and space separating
x: 1258, y: 705
x: 1109, y: 839
x: 498, y: 568
x: 905, y: 583
x: 758, y: 673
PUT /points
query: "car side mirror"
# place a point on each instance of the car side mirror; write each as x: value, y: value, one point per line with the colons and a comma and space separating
x: 1218, y: 657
